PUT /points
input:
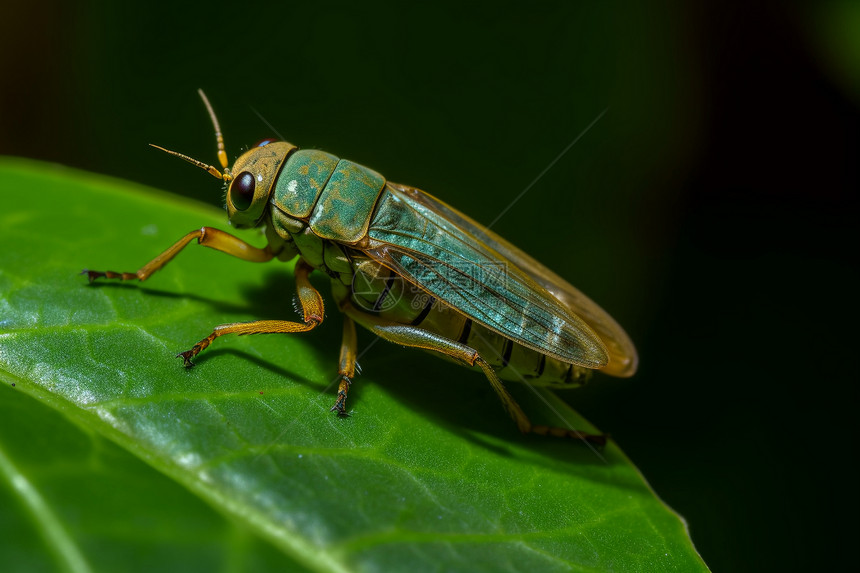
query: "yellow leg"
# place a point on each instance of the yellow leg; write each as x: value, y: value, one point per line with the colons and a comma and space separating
x: 312, y: 308
x: 406, y: 335
x: 348, y: 352
x: 206, y: 236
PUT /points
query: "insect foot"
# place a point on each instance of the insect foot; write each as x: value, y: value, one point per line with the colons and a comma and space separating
x: 186, y: 357
x: 340, y: 404
x: 195, y: 350
x: 93, y: 275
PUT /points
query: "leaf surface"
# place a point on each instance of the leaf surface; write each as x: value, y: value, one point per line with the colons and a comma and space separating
x: 109, y: 449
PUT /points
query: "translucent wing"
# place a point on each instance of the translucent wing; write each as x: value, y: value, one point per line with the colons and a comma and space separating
x: 623, y: 359
x: 473, y: 270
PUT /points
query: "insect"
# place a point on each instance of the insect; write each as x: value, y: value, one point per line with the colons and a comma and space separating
x: 407, y: 267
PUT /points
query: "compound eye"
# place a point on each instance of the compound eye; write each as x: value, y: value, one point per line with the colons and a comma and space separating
x: 266, y: 141
x: 242, y: 191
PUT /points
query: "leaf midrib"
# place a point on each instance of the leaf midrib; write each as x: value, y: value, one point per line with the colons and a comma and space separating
x: 61, y: 545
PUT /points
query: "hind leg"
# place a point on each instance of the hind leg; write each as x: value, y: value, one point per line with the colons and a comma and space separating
x: 416, y: 337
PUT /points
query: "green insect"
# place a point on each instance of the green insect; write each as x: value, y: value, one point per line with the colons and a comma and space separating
x: 407, y: 267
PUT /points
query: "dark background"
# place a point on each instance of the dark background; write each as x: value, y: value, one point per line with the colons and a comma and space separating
x: 710, y: 209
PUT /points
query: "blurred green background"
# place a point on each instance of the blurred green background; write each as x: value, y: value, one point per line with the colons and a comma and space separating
x: 709, y: 209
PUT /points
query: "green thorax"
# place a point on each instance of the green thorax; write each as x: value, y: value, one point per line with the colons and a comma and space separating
x: 334, y: 196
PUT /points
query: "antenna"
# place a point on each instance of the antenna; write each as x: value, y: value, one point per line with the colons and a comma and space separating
x: 212, y: 170
x: 219, y: 140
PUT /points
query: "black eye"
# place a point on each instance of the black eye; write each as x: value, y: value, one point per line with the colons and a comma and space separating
x: 266, y: 141
x: 242, y: 191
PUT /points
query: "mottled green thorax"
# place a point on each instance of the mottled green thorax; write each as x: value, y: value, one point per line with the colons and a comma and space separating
x: 336, y: 197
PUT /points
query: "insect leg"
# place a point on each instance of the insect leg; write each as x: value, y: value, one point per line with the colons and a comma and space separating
x: 206, y: 236
x: 348, y: 352
x: 312, y: 308
x: 418, y: 338
x: 523, y: 423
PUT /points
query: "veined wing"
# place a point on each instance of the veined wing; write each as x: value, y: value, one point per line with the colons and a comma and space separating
x: 623, y: 359
x: 453, y: 258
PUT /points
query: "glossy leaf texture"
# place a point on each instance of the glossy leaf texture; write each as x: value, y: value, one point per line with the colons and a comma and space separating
x: 114, y: 457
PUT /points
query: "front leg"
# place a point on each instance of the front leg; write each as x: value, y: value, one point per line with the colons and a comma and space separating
x: 312, y: 309
x: 206, y: 236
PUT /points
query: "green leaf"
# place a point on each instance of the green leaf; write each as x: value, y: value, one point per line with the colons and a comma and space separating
x: 108, y: 446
